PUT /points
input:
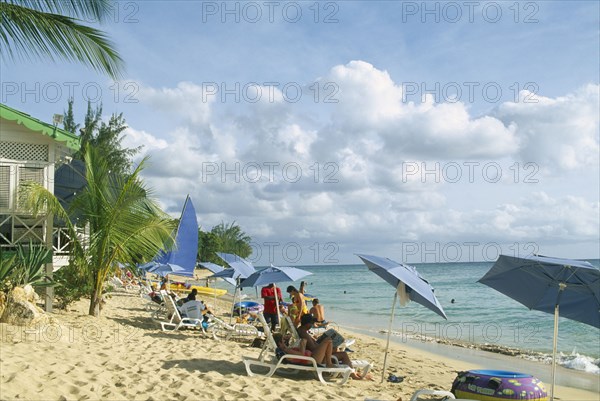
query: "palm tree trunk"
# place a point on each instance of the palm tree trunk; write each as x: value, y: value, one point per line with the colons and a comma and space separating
x: 95, y: 298
x: 95, y: 304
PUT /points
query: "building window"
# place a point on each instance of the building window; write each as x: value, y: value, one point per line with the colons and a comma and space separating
x: 16, y: 224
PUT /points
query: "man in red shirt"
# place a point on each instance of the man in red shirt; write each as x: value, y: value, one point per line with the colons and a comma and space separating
x: 270, y: 312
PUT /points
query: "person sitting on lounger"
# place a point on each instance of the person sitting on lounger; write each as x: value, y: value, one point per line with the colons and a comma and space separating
x: 318, y: 313
x: 312, y: 344
x: 191, y: 296
x: 195, y: 310
x: 322, y: 353
x: 155, y: 295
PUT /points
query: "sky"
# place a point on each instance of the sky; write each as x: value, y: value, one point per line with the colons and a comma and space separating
x: 419, y: 131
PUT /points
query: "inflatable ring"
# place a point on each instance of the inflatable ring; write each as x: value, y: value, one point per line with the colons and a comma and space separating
x: 498, y: 385
x: 247, y: 306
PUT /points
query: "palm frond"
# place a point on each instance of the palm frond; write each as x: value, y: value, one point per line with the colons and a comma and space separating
x: 95, y: 10
x: 27, y: 33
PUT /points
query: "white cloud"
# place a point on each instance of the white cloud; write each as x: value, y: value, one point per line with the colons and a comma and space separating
x: 188, y: 101
x: 371, y: 107
x: 559, y: 133
x: 133, y: 138
x: 353, y: 190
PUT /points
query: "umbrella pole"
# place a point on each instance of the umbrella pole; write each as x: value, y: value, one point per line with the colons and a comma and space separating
x: 233, y: 303
x: 387, y: 345
x: 215, y: 296
x: 554, y: 346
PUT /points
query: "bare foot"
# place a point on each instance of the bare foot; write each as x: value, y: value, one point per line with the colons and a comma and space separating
x: 356, y: 376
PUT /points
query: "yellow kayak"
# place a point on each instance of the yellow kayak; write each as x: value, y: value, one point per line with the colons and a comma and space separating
x: 201, y: 290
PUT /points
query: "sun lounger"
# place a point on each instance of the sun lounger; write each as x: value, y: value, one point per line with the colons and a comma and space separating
x: 151, y: 305
x: 119, y: 286
x: 176, y: 321
x: 287, y: 327
x: 223, y: 331
x: 362, y: 367
x: 273, y: 363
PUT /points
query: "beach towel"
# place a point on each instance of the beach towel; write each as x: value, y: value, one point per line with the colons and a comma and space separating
x: 279, y: 353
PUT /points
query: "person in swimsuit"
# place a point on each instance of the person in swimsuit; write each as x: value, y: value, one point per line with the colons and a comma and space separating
x: 322, y: 353
x: 318, y: 313
x: 298, y: 305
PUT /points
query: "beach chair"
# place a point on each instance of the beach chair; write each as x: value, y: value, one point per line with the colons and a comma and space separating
x: 362, y: 367
x: 158, y: 310
x: 287, y: 327
x: 274, y: 363
x: 176, y: 321
x: 216, y: 327
x: 238, y: 331
x: 145, y: 288
x: 151, y: 305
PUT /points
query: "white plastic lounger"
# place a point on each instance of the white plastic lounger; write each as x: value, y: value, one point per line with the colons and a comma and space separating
x: 362, y: 367
x: 273, y: 364
x: 221, y: 330
x: 176, y: 321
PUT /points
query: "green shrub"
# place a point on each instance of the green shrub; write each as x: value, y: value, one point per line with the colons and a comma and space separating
x: 26, y: 266
x: 31, y: 268
x: 71, y: 285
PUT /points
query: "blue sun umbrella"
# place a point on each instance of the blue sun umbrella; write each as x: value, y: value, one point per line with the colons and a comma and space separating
x: 163, y: 269
x: 242, y: 267
x: 148, y: 266
x: 274, y: 274
x: 548, y: 284
x: 212, y: 267
x: 409, y: 285
x: 239, y: 270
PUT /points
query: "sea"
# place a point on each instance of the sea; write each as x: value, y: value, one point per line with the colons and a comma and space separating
x: 478, y: 316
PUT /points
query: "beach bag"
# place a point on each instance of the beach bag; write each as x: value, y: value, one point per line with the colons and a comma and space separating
x: 336, y: 338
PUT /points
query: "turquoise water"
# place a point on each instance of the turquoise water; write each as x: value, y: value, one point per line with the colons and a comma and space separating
x: 356, y: 298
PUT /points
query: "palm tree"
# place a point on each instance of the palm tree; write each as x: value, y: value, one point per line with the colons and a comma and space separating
x: 124, y: 223
x: 232, y: 239
x: 38, y: 29
x: 208, y: 244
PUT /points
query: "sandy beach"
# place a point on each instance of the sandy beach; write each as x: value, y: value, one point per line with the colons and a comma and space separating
x: 124, y: 355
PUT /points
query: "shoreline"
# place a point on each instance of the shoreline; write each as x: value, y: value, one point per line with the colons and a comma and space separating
x: 494, y: 357
x: 123, y: 355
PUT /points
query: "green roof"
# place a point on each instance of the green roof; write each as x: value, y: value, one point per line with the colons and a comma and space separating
x: 71, y: 140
